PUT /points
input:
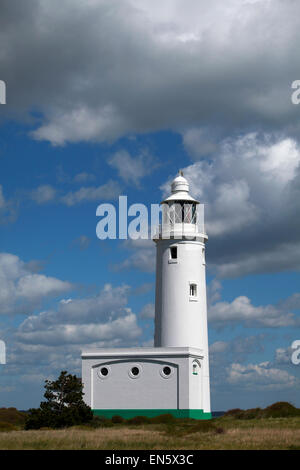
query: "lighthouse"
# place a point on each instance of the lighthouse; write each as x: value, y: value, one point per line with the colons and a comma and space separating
x: 173, y: 376
x: 180, y: 303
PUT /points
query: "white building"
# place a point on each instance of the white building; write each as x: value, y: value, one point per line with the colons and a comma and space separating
x: 172, y: 377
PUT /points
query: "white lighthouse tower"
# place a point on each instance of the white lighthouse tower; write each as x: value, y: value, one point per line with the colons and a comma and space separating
x: 180, y: 303
x: 172, y: 377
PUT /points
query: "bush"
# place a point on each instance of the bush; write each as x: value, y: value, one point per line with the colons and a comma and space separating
x: 5, y: 427
x: 138, y: 420
x: 234, y: 413
x: 117, y: 419
x: 99, y: 422
x: 64, y: 406
x: 163, y: 419
x: 12, y: 416
x: 252, y: 413
x: 202, y: 426
x: 280, y: 409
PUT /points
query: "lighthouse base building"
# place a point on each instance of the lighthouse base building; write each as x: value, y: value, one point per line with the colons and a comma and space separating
x: 173, y: 376
x: 145, y: 382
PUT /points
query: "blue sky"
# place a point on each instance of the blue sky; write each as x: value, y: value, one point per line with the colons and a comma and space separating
x: 144, y: 90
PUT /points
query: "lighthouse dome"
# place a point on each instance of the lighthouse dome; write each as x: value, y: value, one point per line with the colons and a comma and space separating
x: 180, y: 190
x: 180, y: 184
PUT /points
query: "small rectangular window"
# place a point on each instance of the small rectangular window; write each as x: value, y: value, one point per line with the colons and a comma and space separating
x: 193, y: 290
x: 173, y: 252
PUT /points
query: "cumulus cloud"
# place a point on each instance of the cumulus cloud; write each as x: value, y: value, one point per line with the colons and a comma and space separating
x: 103, y: 320
x: 46, y: 193
x: 283, y: 356
x: 140, y: 66
x: 108, y: 191
x: 132, y: 169
x: 141, y: 257
x: 83, y: 177
x: 235, y: 350
x: 7, y: 209
x: 242, y: 311
x: 148, y: 311
x: 83, y: 242
x: 261, y: 376
x: 52, y: 340
x: 43, y: 194
x: 21, y: 290
x: 250, y: 189
x: 120, y: 329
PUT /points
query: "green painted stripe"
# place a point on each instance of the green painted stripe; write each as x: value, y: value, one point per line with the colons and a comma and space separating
x: 127, y: 414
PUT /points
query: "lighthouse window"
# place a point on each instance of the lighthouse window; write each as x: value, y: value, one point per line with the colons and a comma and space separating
x: 173, y: 252
x: 190, y: 213
x: 135, y: 371
x: 193, y: 290
x: 104, y: 371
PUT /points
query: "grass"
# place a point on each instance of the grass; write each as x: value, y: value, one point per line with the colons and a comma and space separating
x: 219, y: 433
x: 276, y: 427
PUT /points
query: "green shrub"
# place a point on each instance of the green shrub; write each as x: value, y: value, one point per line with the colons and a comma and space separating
x: 163, y: 419
x: 64, y: 406
x: 280, y: 409
x: 234, y: 413
x: 137, y: 420
x: 252, y: 413
x: 202, y: 426
x: 100, y: 422
x: 13, y: 416
x: 5, y: 427
x: 117, y: 419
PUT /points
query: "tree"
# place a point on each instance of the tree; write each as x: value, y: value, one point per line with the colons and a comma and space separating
x: 64, y: 406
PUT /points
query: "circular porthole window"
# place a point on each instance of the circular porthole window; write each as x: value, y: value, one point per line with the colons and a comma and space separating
x: 166, y: 372
x: 135, y: 371
x: 104, y: 372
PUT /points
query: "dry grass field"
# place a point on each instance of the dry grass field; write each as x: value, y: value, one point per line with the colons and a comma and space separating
x: 220, y: 433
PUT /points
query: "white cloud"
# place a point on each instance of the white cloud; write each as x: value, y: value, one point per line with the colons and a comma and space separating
x: 119, y: 330
x: 142, y: 258
x: 108, y: 191
x: 141, y: 66
x: 43, y: 194
x: 283, y: 356
x: 7, y: 209
x: 132, y: 169
x: 241, y: 310
x: 199, y: 142
x: 107, y: 305
x: 103, y: 320
x: 250, y: 189
x: 83, y: 177
x: 260, y: 377
x: 148, y: 311
x: 82, y: 124
x: 83, y: 241
x: 20, y: 290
